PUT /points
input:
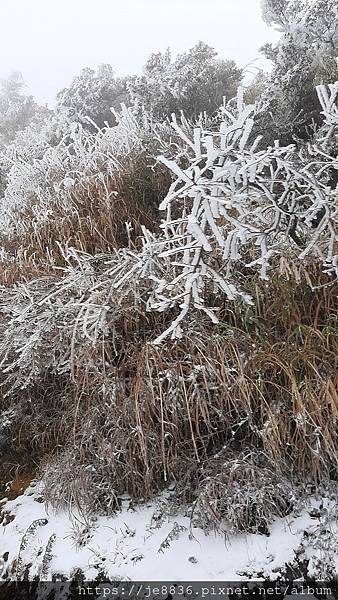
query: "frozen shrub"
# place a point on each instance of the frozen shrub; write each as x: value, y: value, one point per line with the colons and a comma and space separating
x: 215, y: 329
x: 241, y: 492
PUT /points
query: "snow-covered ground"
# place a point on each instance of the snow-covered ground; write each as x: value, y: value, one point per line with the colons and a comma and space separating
x: 144, y: 543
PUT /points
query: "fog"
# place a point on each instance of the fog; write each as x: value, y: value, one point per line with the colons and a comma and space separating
x: 49, y: 42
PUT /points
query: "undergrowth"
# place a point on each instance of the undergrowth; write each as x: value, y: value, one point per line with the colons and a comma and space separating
x: 236, y: 415
x: 251, y: 400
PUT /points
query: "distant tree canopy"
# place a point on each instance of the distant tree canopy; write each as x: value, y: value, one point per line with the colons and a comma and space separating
x: 92, y: 93
x: 17, y: 110
x: 195, y: 81
x: 198, y: 80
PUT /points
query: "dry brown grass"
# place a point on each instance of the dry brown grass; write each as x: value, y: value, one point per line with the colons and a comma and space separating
x: 262, y: 383
x: 95, y: 221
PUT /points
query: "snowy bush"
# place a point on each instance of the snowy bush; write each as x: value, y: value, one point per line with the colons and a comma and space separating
x: 241, y: 492
x: 236, y: 206
x: 304, y: 56
x: 232, y: 208
x: 156, y: 352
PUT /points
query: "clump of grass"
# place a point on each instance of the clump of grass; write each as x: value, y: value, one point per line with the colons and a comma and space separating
x: 90, y: 192
x: 241, y: 492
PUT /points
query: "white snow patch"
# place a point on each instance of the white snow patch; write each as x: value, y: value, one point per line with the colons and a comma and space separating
x: 128, y: 544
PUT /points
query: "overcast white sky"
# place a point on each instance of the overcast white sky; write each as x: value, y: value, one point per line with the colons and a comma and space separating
x: 49, y: 41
